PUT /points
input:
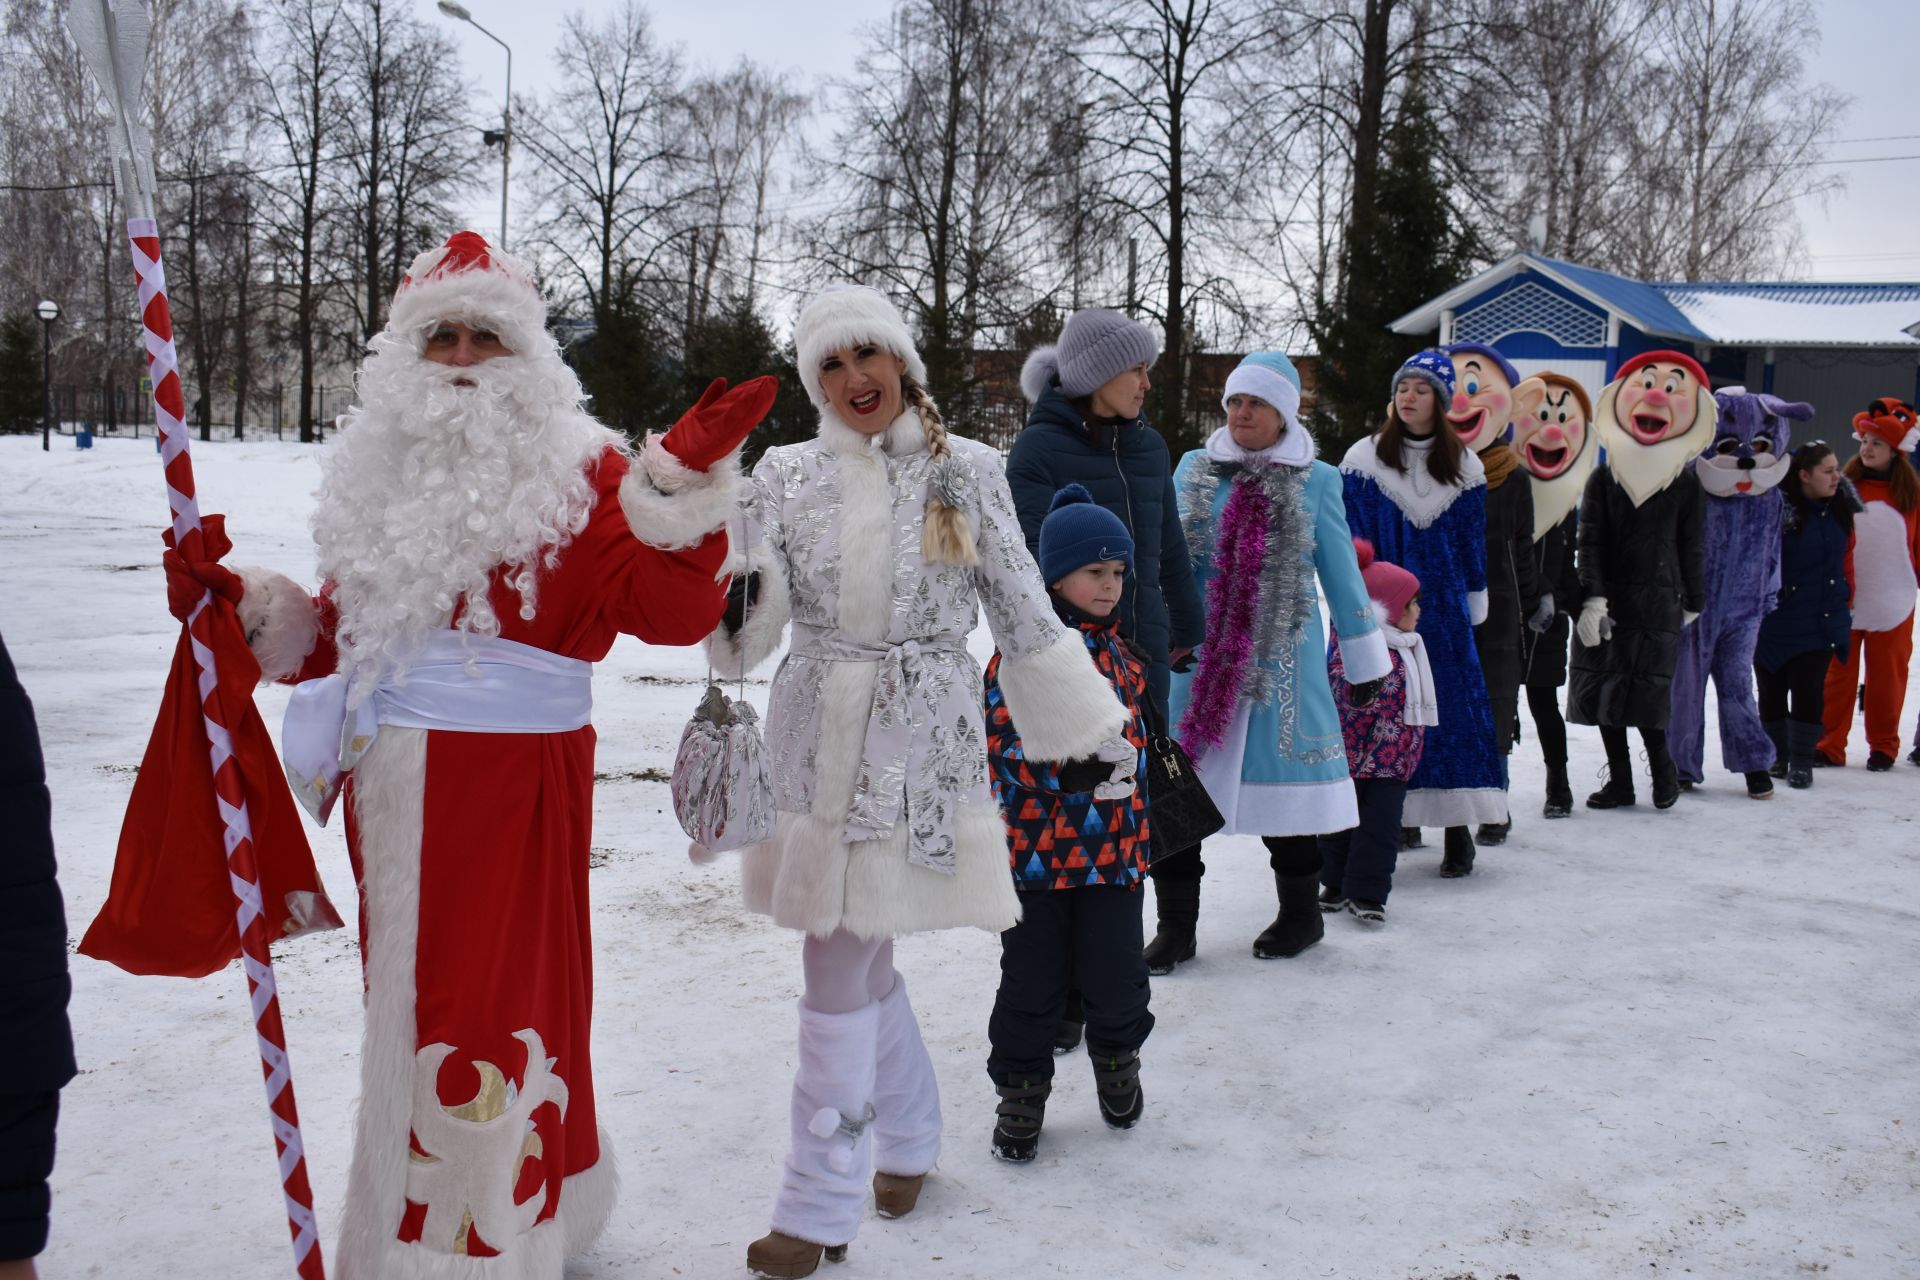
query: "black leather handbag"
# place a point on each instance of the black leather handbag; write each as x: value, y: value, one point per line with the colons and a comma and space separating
x: 1180, y: 813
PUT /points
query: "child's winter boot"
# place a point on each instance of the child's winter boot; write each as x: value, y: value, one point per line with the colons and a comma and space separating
x: 906, y: 1104
x: 1018, y: 1118
x: 1298, y: 926
x: 1118, y: 1078
x: 823, y: 1189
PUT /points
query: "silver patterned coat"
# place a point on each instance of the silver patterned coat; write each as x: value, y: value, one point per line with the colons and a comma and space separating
x: 875, y: 724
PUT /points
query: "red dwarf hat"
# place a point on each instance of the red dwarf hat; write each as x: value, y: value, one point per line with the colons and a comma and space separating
x: 1667, y: 357
x: 1389, y: 584
x: 1890, y: 421
x: 468, y: 280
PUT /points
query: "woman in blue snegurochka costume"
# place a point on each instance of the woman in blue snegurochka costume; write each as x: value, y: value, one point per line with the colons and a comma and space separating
x: 1420, y: 497
x: 1262, y: 519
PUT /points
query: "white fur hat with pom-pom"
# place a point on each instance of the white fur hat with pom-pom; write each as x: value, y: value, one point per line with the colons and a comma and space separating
x: 850, y: 315
x: 469, y: 281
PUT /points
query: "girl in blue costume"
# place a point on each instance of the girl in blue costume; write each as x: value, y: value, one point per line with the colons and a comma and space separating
x: 1420, y: 497
x: 1262, y: 519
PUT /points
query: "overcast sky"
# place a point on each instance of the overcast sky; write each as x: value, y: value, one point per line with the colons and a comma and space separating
x: 1870, y: 231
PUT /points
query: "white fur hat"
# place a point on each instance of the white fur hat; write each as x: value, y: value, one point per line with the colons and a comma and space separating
x: 848, y: 315
x: 468, y: 280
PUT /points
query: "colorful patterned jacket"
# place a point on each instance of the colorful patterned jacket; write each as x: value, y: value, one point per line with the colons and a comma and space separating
x: 1380, y: 744
x: 1062, y: 838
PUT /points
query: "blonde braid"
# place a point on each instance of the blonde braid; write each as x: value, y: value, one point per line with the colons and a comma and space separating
x: 947, y: 538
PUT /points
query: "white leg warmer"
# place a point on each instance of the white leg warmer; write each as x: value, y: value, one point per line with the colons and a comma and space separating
x: 906, y: 1096
x: 823, y: 1190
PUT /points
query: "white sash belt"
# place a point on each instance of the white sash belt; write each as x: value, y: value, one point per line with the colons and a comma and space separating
x: 459, y: 682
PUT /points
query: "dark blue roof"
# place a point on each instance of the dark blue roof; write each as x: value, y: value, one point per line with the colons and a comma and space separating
x: 1644, y: 303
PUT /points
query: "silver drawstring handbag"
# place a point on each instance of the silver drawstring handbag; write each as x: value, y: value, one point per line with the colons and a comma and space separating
x: 722, y: 792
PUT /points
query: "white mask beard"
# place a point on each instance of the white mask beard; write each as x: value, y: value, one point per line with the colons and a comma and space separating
x: 1645, y: 469
x: 1554, y: 500
x: 431, y: 487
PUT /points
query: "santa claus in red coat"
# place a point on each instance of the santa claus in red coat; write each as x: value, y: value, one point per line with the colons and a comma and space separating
x: 481, y: 540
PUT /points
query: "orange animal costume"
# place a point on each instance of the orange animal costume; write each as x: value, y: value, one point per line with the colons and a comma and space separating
x: 1886, y: 562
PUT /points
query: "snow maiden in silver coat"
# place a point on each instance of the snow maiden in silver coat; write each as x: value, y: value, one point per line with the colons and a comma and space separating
x: 878, y: 541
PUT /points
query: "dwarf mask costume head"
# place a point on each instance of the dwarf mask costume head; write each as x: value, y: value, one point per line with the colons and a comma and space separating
x: 1481, y: 410
x: 1653, y: 419
x: 1553, y: 434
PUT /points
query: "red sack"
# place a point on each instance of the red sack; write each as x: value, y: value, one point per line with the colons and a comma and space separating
x: 170, y: 908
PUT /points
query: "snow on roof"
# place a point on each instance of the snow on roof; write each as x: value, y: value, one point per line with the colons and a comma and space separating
x: 1802, y: 315
x: 1785, y: 314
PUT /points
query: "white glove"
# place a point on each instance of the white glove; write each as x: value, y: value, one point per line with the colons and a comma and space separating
x: 1125, y: 759
x: 1542, y: 614
x: 1687, y: 618
x: 1594, y: 625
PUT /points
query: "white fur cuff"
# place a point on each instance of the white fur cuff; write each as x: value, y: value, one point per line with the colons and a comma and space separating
x: 671, y: 506
x: 1365, y: 656
x: 1061, y: 705
x: 280, y: 619
x: 1476, y: 607
x: 736, y: 653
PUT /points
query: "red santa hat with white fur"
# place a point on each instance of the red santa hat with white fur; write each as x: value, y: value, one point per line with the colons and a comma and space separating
x: 469, y: 281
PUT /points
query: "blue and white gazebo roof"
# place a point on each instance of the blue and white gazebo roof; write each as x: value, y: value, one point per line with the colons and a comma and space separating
x: 1779, y: 314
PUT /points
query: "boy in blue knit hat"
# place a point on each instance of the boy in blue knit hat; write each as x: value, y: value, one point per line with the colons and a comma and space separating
x: 1079, y: 854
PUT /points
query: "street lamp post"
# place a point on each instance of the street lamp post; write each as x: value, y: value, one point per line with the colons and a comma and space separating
x: 460, y: 13
x: 48, y: 311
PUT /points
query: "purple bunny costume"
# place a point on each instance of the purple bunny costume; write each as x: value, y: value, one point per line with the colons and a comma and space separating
x: 1740, y: 469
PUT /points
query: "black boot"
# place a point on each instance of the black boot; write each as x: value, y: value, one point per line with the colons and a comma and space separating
x: 1759, y: 784
x: 1559, y: 793
x: 1017, y: 1120
x: 1616, y: 787
x: 1493, y: 833
x: 1177, y: 904
x: 1298, y: 926
x: 1117, y: 1078
x: 1666, y: 774
x: 1457, y: 860
x: 1803, y: 741
x: 1410, y: 838
x: 1777, y: 734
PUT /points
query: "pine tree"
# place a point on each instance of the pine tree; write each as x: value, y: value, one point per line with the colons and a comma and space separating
x: 20, y: 375
x: 1401, y: 249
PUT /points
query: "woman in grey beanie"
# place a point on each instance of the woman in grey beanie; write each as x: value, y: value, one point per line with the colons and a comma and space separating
x: 1085, y: 427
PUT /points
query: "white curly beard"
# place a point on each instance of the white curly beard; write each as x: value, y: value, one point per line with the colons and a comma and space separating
x: 432, y: 486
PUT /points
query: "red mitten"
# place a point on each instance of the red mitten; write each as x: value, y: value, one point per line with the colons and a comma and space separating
x: 719, y: 421
x: 195, y: 570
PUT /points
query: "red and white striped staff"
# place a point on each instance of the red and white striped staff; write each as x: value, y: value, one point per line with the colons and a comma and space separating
x: 112, y: 34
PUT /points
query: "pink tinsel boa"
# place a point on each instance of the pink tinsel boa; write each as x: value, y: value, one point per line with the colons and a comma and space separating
x: 1233, y: 605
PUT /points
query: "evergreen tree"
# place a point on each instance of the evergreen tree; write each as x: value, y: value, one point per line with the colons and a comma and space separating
x: 20, y: 375
x: 1402, y: 248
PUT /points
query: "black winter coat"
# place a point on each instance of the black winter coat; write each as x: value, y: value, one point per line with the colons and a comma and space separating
x: 33, y: 978
x: 1554, y: 559
x: 1646, y: 561
x: 1129, y: 472
x: 1513, y: 592
x: 1815, y: 610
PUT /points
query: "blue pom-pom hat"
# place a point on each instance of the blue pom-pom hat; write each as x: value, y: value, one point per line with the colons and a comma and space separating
x: 1078, y: 532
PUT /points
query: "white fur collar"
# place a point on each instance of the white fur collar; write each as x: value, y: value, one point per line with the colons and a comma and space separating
x: 906, y: 435
x: 1294, y: 448
x: 1420, y: 497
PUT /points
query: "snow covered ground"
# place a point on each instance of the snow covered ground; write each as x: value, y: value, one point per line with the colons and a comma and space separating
x: 1631, y: 1044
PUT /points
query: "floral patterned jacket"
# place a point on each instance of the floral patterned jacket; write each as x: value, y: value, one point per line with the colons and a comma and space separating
x: 1379, y: 742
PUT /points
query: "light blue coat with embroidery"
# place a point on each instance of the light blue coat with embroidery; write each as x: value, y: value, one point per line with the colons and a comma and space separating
x: 1281, y: 768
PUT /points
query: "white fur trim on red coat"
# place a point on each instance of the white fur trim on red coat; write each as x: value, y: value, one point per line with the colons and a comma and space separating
x: 669, y: 505
x: 389, y: 797
x: 734, y: 653
x: 281, y: 620
x: 1061, y: 705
